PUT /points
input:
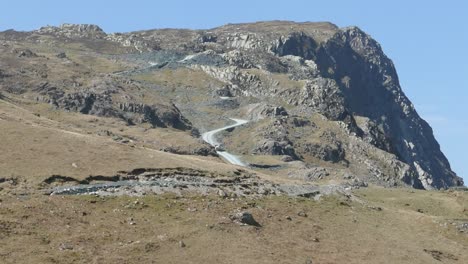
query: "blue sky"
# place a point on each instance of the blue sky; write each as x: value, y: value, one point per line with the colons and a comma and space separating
x: 427, y: 40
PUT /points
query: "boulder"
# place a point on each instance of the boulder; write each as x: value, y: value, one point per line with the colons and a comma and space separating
x: 244, y: 218
x: 326, y: 152
x: 26, y: 53
x: 272, y: 147
x: 61, y: 55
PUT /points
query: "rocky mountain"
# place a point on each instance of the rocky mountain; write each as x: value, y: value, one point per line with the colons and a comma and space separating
x: 323, y: 103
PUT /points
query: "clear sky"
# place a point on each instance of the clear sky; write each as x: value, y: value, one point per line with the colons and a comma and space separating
x: 427, y: 40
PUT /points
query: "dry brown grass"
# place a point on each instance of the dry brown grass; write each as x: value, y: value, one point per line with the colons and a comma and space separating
x: 84, y: 229
x: 34, y: 148
x: 181, y: 78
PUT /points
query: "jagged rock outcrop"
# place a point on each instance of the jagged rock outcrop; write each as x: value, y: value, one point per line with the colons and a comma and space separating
x: 333, y: 153
x: 322, y: 95
x: 133, y: 41
x: 297, y: 44
x: 132, y: 112
x: 272, y: 147
x: 86, y: 103
x: 262, y: 111
x: 74, y: 31
x: 312, y: 174
x: 24, y: 53
x: 157, y: 115
x: 98, y: 100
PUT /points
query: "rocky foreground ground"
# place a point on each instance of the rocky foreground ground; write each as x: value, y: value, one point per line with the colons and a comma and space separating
x: 373, y: 225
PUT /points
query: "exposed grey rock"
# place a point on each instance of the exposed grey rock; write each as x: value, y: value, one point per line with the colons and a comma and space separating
x: 300, y: 68
x: 237, y: 58
x: 240, y: 82
x: 324, y: 96
x: 201, y: 151
x: 65, y: 246
x: 302, y: 214
x: 272, y: 147
x: 27, y: 53
x: 273, y: 111
x: 208, y: 38
x: 61, y: 55
x: 134, y: 41
x: 262, y: 111
x: 297, y: 44
x: 348, y: 176
x: 358, y: 183
x: 326, y: 152
x: 375, y: 135
x: 227, y: 103
x: 87, y: 103
x: 302, y: 122
x: 156, y: 115
x: 245, y: 218
x: 222, y: 193
x: 225, y: 92
x: 74, y: 31
x: 98, y: 100
x: 3, y: 74
x: 463, y: 227
x: 312, y: 174
x: 143, y: 181
x: 194, y: 132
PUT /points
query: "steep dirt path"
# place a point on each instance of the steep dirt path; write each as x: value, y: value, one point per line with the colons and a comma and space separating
x: 209, y: 137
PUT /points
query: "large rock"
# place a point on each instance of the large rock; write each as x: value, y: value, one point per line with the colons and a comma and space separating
x: 327, y: 152
x: 272, y: 147
x: 244, y: 218
x: 156, y: 115
x: 312, y: 174
x: 87, y: 103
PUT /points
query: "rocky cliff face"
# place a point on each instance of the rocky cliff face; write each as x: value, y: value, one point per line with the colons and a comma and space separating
x: 369, y: 83
x: 366, y: 124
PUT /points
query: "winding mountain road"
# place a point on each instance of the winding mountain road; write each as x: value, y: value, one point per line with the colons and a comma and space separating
x: 209, y: 137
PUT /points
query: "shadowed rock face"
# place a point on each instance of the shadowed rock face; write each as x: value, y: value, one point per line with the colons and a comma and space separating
x: 98, y: 100
x: 371, y: 88
x: 343, y: 75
